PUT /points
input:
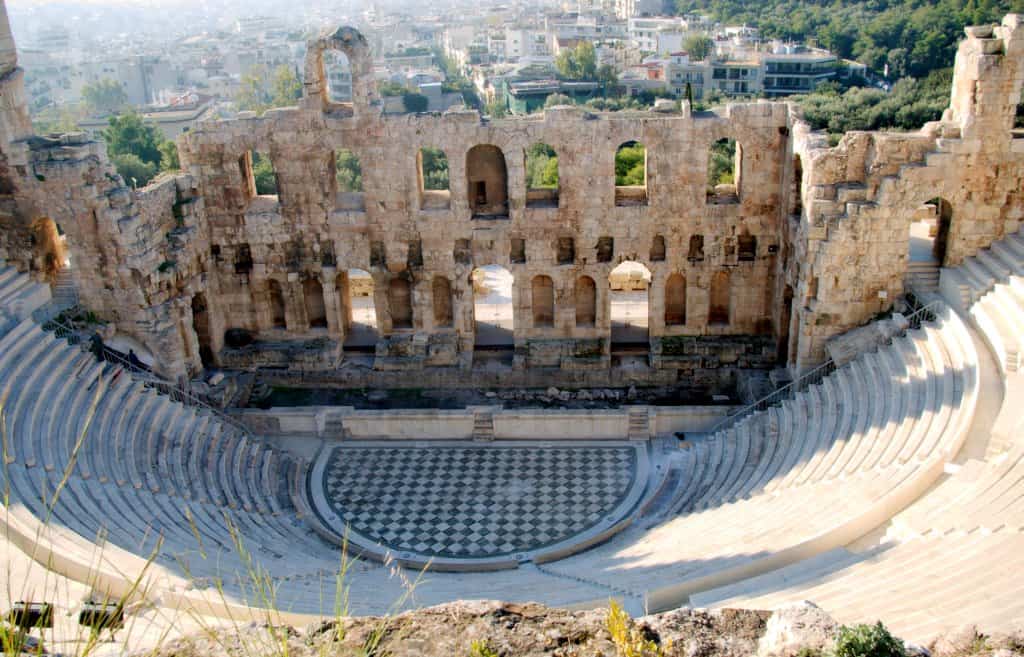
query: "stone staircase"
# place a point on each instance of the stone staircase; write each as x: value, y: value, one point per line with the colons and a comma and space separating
x: 639, y: 423
x: 65, y: 292
x: 989, y: 287
x: 483, y: 424
x: 922, y: 277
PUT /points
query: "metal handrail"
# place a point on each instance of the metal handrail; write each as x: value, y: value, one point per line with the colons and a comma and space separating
x: 914, y: 320
x: 139, y: 371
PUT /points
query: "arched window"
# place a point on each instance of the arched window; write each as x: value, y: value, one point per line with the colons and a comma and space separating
x: 675, y: 300
x: 348, y: 181
x: 316, y: 313
x: 543, y: 301
x: 442, y: 293
x: 725, y: 164
x: 746, y: 248
x: 277, y: 312
x: 696, y: 250
x: 400, y: 303
x: 487, y: 182
x: 658, y: 249
x: 718, y: 310
x: 435, y: 190
x: 339, y: 77
x: 541, y: 176
x: 586, y: 301
x: 631, y: 174
x: 258, y: 174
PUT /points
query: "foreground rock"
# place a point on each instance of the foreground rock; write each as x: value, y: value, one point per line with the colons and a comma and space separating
x: 533, y: 630
x: 507, y: 630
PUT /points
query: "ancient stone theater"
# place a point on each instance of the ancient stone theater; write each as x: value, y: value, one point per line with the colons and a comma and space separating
x: 839, y: 324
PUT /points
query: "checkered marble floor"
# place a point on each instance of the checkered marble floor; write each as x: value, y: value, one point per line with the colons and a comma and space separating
x: 475, y: 501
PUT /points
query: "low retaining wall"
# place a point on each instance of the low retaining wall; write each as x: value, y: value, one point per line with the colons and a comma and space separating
x: 347, y: 423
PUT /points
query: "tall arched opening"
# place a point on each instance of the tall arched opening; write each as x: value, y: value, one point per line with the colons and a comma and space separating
x: 787, y: 348
x: 201, y: 326
x: 718, y: 307
x: 400, y: 302
x: 542, y: 301
x: 441, y: 291
x: 493, y: 317
x: 313, y: 294
x: 628, y: 285
x: 585, y: 297
x: 355, y: 289
x: 278, y: 318
x: 675, y: 300
x: 929, y: 232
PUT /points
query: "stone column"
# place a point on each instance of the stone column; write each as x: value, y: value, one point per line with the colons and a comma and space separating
x: 332, y: 303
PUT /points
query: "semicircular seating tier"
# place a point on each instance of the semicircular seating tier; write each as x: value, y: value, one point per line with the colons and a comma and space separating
x: 98, y: 459
x: 952, y: 554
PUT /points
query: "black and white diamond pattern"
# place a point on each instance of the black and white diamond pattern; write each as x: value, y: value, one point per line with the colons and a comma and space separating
x: 474, y: 502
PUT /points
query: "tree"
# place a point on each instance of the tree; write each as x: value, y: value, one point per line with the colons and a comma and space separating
x: 698, y: 46
x: 169, y: 156
x: 435, y: 169
x: 128, y: 134
x: 496, y: 109
x: 541, y: 167
x: 348, y: 172
x: 135, y: 172
x: 286, y: 88
x: 608, y: 78
x: 415, y: 102
x: 580, y: 63
x: 721, y: 163
x: 557, y: 99
x: 104, y: 96
x: 630, y: 165
x: 252, y: 96
x: 389, y: 88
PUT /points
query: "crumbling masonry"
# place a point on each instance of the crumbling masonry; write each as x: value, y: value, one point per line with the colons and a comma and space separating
x: 810, y: 241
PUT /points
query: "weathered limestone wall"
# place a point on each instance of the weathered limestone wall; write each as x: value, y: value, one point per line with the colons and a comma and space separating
x: 814, y: 241
x: 860, y: 197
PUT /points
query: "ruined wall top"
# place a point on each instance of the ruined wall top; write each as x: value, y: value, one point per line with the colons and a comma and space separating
x: 316, y: 91
x: 8, y: 52
x: 987, y: 78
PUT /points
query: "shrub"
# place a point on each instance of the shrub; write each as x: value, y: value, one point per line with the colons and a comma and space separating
x: 628, y: 639
x: 867, y: 641
x: 481, y: 649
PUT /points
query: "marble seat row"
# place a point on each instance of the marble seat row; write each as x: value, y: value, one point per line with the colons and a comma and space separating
x: 949, y: 555
x: 990, y: 288
x: 792, y: 481
x: 114, y: 428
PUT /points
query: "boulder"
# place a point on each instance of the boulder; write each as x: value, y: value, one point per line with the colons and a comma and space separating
x: 803, y: 625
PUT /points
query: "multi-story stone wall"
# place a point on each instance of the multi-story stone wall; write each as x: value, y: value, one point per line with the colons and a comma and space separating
x: 859, y: 198
x: 809, y: 242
